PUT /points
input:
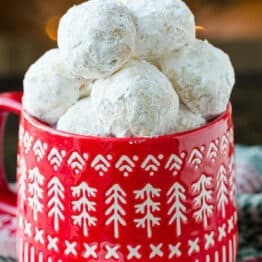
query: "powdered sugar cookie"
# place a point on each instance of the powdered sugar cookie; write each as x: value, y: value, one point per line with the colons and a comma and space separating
x: 96, y: 38
x: 136, y: 101
x: 162, y: 26
x: 81, y: 119
x: 202, y: 75
x: 49, y: 88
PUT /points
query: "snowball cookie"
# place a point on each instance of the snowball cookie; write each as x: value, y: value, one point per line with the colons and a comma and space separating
x: 81, y: 119
x: 49, y: 88
x: 187, y: 120
x: 162, y: 26
x: 136, y: 101
x: 97, y: 38
x: 202, y: 75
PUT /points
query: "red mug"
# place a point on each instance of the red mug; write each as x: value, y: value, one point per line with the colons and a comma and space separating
x: 168, y: 198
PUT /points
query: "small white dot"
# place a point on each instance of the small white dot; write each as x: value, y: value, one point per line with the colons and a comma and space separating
x: 55, y: 168
x: 85, y: 156
x: 151, y: 173
x: 183, y: 154
x: 63, y: 152
x: 202, y: 148
x: 135, y: 158
x: 109, y: 157
x: 126, y: 174
x: 160, y: 156
x: 101, y: 173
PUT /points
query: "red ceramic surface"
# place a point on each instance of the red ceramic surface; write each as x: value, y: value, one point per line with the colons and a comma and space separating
x: 169, y: 198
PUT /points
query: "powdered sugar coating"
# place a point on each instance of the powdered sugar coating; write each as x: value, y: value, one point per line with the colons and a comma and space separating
x: 81, y: 119
x: 85, y: 89
x: 187, y: 120
x: 49, y: 88
x: 202, y: 75
x: 97, y: 38
x: 162, y: 26
x: 136, y: 101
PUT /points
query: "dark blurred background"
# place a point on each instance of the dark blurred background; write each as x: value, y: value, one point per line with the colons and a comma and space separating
x: 28, y: 28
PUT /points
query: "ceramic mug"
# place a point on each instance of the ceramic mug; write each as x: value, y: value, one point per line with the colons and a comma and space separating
x: 168, y: 198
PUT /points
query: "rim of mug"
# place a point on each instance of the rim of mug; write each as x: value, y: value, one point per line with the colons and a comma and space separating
x: 44, y: 127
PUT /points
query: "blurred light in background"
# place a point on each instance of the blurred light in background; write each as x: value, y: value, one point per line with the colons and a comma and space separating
x: 51, y: 27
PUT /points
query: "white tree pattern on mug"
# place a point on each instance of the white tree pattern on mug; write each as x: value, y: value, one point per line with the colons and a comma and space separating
x: 22, y: 182
x: 232, y: 182
x: 202, y: 199
x: 55, y: 203
x: 39, y: 149
x: 77, y: 162
x: 115, y: 199
x: 126, y: 164
x: 35, y: 191
x: 174, y: 163
x: 196, y: 157
x: 224, y: 144
x: 147, y: 208
x: 55, y: 158
x: 101, y: 164
x: 222, y: 191
x: 176, y: 198
x: 212, y: 152
x: 84, y: 206
x: 151, y: 164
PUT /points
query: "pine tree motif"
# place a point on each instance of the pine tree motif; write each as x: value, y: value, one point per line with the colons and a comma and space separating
x: 147, y: 208
x: 175, y: 162
x: 212, y: 152
x: 55, y: 204
x: 203, y: 199
x: 196, y: 157
x: 22, y: 182
x: 84, y: 206
x: 115, y: 198
x: 232, y: 182
x: 35, y: 191
x: 176, y: 197
x: 151, y: 164
x: 27, y: 141
x: 222, y: 193
x: 224, y: 144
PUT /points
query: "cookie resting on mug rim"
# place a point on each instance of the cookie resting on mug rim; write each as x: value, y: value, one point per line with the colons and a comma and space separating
x: 138, y: 100
x: 49, y: 88
x: 203, y: 77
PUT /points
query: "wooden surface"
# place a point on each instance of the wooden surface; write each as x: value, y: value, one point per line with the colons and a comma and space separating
x: 246, y: 99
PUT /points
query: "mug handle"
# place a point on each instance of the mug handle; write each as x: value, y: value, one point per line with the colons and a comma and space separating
x: 9, y: 102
